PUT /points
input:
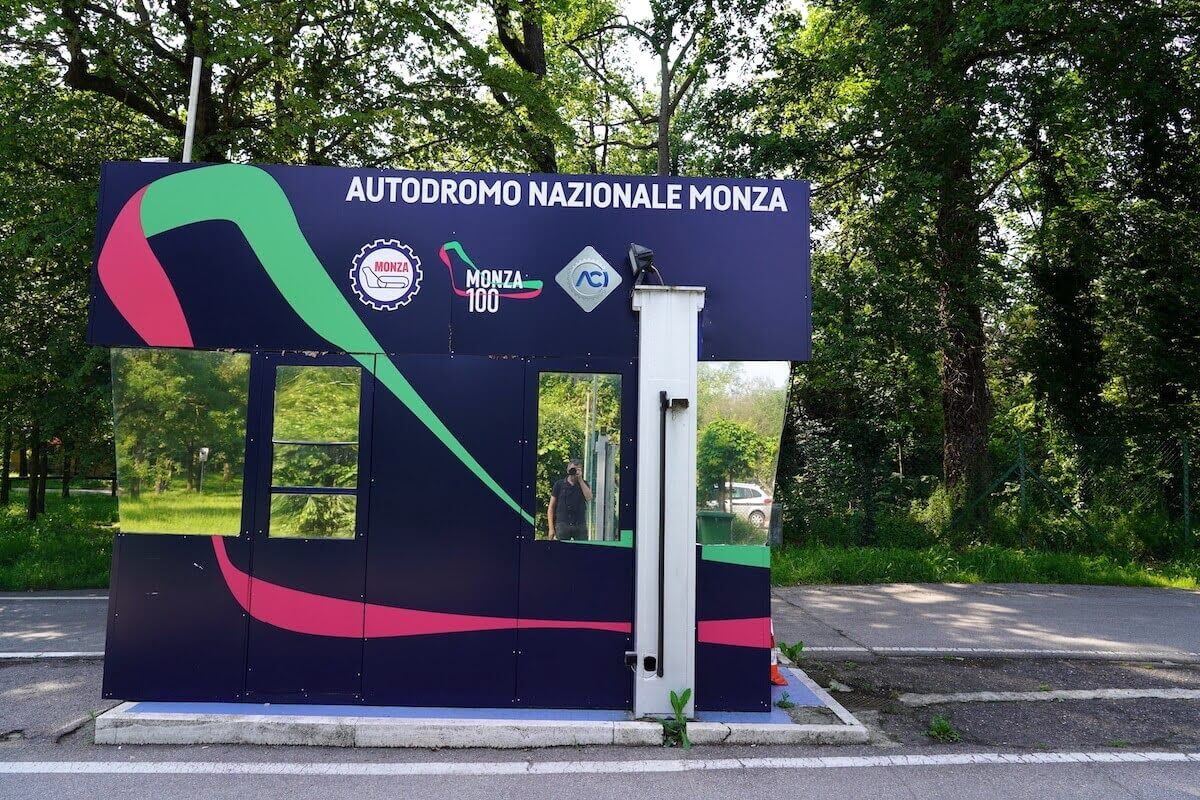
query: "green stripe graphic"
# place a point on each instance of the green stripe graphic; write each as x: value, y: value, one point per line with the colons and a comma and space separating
x: 251, y: 199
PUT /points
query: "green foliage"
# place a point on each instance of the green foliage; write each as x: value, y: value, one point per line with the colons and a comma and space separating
x: 818, y: 564
x: 217, y: 511
x: 315, y: 404
x: 564, y: 410
x: 675, y: 728
x: 312, y: 515
x: 785, y: 702
x: 792, y: 651
x: 69, y: 547
x: 170, y: 403
x: 746, y: 532
x: 727, y: 451
x: 940, y: 730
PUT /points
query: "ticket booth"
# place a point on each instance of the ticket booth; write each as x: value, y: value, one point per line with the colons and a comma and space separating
x: 388, y: 372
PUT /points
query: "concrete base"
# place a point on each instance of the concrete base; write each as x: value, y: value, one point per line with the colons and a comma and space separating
x: 125, y: 724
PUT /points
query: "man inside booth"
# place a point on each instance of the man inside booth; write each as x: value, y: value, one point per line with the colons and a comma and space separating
x: 568, y: 504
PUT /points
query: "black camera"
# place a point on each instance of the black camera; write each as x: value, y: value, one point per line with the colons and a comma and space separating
x: 572, y: 471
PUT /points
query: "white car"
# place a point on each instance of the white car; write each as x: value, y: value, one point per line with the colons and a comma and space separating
x: 750, y: 502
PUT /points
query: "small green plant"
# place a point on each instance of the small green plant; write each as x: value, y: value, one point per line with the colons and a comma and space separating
x: 785, y: 702
x: 940, y: 730
x: 1043, y: 687
x: 1119, y: 743
x: 675, y: 729
x: 791, y: 651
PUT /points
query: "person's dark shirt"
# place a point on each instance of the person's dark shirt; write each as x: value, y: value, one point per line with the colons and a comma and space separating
x: 571, y: 505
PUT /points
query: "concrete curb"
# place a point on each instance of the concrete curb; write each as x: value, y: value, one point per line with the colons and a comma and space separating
x: 918, y: 700
x: 40, y: 655
x: 119, y: 726
x: 852, y: 653
x: 122, y: 726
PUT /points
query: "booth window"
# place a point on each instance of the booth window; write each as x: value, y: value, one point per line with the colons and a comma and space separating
x: 180, y: 428
x: 739, y: 422
x: 314, y: 452
x: 579, y: 417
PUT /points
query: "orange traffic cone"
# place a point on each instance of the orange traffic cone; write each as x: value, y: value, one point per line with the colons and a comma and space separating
x: 777, y: 678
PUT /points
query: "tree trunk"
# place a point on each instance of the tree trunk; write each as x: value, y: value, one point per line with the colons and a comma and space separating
x: 664, y: 110
x: 31, y: 508
x: 966, y: 402
x: 44, y: 469
x: 66, y: 469
x: 23, y: 459
x: 6, y: 477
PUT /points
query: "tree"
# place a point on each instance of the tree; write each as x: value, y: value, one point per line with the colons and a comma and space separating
x: 724, y: 451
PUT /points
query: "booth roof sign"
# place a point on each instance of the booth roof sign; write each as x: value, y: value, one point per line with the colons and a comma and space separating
x: 329, y: 259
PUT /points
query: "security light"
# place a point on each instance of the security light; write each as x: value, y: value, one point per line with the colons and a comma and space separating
x: 641, y: 262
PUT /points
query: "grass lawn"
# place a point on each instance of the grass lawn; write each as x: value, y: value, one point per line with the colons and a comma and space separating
x: 986, y: 564
x: 178, y: 511
x: 69, y: 547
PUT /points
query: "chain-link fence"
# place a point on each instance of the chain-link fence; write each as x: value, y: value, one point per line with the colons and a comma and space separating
x: 1129, y: 496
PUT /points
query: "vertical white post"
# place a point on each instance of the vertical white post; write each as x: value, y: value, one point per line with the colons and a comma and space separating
x: 193, y: 98
x: 665, y: 537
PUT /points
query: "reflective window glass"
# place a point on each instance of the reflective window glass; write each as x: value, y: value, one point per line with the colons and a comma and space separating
x: 180, y: 425
x: 313, y: 516
x: 739, y: 421
x: 578, y: 456
x: 315, y: 447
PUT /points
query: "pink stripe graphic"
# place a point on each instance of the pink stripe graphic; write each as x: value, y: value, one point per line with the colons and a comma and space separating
x: 748, y: 632
x: 136, y: 283
x: 304, y: 612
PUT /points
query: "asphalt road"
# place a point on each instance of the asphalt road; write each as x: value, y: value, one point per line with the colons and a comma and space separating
x: 43, y: 621
x: 1081, y: 619
x: 45, y: 707
x: 1143, y: 781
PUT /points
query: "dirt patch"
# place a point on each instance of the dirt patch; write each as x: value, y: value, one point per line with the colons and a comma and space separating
x: 1035, y: 725
x: 936, y: 675
x: 1056, y: 725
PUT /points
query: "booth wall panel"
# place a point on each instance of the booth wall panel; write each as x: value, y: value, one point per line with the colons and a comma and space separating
x: 729, y: 677
x: 175, y: 630
x: 575, y: 668
x: 290, y: 664
x: 439, y: 539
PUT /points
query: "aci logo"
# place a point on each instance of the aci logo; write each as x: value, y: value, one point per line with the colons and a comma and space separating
x: 588, y: 279
x: 386, y: 274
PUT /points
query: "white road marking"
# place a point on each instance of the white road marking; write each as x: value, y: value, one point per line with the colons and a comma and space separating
x: 52, y: 654
x: 4, y: 598
x: 573, y: 767
x: 913, y: 699
x: 1132, y: 655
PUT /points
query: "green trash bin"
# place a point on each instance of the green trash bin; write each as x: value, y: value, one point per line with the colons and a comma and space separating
x: 714, y: 527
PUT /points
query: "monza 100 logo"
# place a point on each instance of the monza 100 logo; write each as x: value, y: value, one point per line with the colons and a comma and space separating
x: 386, y: 274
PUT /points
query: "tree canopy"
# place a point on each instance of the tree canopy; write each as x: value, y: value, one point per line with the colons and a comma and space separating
x: 1006, y: 193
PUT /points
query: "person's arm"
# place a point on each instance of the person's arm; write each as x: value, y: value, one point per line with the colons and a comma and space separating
x: 550, y: 513
x: 587, y: 490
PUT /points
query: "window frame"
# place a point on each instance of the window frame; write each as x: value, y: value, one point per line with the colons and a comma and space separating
x: 264, y: 369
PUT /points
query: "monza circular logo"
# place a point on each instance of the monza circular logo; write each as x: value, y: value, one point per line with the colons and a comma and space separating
x: 386, y: 274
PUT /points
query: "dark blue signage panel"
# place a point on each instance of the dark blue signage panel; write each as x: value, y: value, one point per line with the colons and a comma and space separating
x: 349, y: 260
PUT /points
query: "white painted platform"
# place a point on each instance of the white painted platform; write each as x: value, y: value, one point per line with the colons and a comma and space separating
x: 126, y: 725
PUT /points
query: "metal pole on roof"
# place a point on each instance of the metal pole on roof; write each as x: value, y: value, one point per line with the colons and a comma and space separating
x: 193, y: 98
